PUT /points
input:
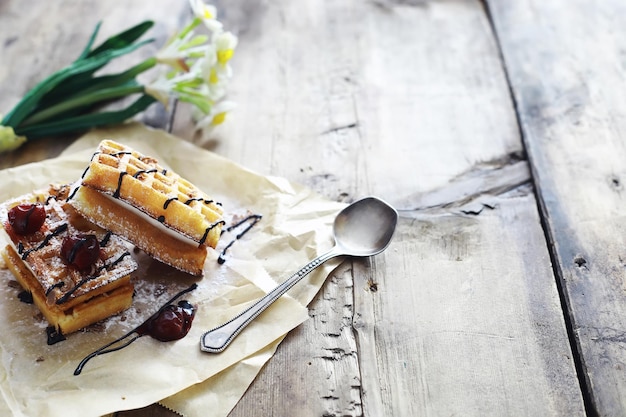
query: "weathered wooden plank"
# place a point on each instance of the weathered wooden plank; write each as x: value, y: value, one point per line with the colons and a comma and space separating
x: 566, y: 64
x: 401, y: 99
x: 44, y: 36
x: 406, y: 100
x: 480, y: 326
x: 391, y: 87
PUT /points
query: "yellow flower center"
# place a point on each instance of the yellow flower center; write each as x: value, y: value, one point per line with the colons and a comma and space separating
x: 207, y: 13
x: 213, y: 78
x: 224, y: 55
x: 218, y: 118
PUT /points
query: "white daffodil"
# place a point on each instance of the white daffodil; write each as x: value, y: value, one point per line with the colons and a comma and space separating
x: 212, y: 73
x: 216, y: 116
x: 186, y: 87
x: 216, y: 83
x: 200, y: 63
x: 180, y: 49
x: 209, y: 59
x: 207, y: 13
x: 225, y: 44
x: 160, y: 90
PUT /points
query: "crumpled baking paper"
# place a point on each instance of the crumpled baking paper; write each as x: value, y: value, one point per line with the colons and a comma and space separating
x: 37, y: 379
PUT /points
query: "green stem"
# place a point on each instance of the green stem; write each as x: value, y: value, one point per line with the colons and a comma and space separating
x: 122, y: 39
x: 86, y: 121
x: 122, y: 77
x: 84, y: 66
x: 79, y: 86
x: 90, y: 42
x: 83, y: 101
x: 191, y: 26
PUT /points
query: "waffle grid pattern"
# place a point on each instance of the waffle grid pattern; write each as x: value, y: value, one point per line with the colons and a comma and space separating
x: 161, y: 193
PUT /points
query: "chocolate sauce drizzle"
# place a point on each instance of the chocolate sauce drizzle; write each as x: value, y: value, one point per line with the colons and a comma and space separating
x: 20, y: 248
x: 168, y: 201
x: 118, y: 191
x: 252, y: 219
x: 76, y: 247
x: 208, y: 229
x: 106, y: 238
x: 73, y: 193
x: 85, y: 280
x: 26, y: 297
x: 54, y: 335
x: 160, y: 219
x: 61, y: 229
x: 116, y: 154
x: 144, y: 171
x: 191, y: 200
x: 133, y: 335
x: 119, y: 186
x: 60, y: 284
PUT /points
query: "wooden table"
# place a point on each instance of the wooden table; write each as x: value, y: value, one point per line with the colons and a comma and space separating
x: 496, y: 128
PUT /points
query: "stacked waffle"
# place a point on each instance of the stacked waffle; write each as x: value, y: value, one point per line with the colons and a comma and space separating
x: 76, y: 272
x: 64, y: 247
x: 154, y: 208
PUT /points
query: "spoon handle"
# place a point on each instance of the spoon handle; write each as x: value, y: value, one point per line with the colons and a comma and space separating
x: 217, y: 339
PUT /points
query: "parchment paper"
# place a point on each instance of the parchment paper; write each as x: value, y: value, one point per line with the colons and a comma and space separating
x: 37, y: 379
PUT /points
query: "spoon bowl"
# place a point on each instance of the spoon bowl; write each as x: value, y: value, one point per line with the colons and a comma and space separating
x: 364, y: 228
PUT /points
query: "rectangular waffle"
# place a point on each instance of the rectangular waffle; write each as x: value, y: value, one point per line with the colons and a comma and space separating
x: 153, y: 207
x: 68, y: 298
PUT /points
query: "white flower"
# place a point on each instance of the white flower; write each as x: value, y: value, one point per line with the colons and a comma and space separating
x: 221, y: 72
x: 207, y: 13
x: 186, y: 87
x: 212, y: 73
x: 216, y: 116
x: 201, y: 69
x: 225, y: 44
x: 182, y: 48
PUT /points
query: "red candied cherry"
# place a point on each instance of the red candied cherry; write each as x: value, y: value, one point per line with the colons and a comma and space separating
x: 80, y: 251
x: 172, y: 322
x: 26, y: 219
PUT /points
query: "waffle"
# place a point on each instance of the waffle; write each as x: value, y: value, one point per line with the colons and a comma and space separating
x: 153, y: 207
x: 68, y: 298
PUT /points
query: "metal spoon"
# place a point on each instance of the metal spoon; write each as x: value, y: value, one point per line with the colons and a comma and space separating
x: 364, y: 228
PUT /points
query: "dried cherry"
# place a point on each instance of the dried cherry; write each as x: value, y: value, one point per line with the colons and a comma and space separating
x: 80, y: 251
x: 26, y: 219
x: 172, y: 322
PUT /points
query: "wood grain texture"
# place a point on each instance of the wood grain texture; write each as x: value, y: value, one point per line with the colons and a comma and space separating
x: 353, y: 97
x: 406, y: 101
x: 316, y: 372
x: 409, y: 101
x: 566, y: 65
x: 467, y: 322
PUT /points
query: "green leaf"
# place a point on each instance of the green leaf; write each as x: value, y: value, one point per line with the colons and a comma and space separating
x: 92, y: 39
x: 123, y: 39
x: 84, y: 101
x: 78, y: 86
x: 87, y: 121
x: 30, y: 101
